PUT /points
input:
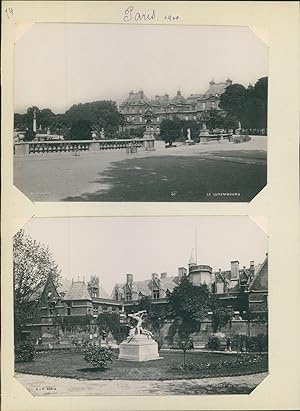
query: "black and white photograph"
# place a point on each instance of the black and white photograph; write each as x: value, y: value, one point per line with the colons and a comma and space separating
x: 140, y: 113
x: 179, y: 307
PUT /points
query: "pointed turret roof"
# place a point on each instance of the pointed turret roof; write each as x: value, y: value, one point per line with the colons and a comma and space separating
x: 192, y: 260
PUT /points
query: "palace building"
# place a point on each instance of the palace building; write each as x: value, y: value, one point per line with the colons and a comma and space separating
x: 165, y: 107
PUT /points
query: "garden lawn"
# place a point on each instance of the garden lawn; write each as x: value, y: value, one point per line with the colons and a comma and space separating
x: 182, y: 178
x: 71, y: 364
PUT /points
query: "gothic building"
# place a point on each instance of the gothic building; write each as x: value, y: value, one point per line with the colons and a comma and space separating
x: 243, y: 289
x: 165, y: 107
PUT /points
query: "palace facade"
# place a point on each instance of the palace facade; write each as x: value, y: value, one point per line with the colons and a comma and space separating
x: 166, y: 107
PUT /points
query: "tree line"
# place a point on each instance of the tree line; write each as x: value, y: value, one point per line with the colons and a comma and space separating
x: 238, y: 105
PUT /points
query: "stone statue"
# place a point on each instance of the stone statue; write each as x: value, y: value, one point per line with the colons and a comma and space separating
x: 189, y: 134
x: 140, y: 344
x: 138, y: 317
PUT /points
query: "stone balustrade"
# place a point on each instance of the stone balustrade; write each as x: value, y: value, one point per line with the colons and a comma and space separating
x: 76, y: 146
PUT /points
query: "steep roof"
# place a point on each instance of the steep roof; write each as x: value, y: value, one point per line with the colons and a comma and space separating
x: 260, y: 280
x: 136, y: 98
x: 145, y: 287
x: 78, y: 291
x: 178, y: 98
x: 103, y: 293
x: 216, y: 88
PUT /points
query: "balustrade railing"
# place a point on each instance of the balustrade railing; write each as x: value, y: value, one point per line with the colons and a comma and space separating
x: 45, y: 147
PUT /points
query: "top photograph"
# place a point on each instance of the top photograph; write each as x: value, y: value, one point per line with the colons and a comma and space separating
x: 140, y: 113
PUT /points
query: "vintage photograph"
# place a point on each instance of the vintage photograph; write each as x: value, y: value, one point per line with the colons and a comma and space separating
x: 140, y: 113
x: 140, y: 305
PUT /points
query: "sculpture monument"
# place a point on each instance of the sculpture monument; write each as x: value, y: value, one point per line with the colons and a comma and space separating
x: 139, y: 345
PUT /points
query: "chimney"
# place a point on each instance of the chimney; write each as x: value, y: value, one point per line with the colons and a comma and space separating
x: 182, y: 272
x: 163, y: 275
x: 129, y: 278
x: 154, y: 276
x: 234, y: 270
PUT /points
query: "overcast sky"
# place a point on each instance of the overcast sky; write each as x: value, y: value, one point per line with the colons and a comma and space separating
x: 113, y: 246
x: 57, y: 65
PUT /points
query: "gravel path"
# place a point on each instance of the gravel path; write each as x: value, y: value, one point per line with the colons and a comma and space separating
x: 53, y: 177
x: 39, y: 385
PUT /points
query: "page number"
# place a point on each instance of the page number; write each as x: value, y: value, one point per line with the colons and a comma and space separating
x: 9, y: 12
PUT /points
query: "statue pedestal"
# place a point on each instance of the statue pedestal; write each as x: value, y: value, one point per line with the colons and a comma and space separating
x: 149, y: 140
x: 189, y: 142
x: 139, y: 348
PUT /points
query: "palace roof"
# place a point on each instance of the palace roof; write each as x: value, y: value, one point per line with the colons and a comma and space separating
x: 215, y: 89
x: 78, y: 291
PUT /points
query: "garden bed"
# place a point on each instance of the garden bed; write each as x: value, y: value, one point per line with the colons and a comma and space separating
x: 72, y: 365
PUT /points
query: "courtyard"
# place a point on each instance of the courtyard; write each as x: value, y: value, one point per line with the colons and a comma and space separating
x: 64, y: 373
x: 203, y: 172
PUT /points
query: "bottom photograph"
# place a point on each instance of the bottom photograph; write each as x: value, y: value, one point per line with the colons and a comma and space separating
x: 140, y: 305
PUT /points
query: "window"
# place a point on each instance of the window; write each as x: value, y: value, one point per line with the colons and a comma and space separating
x: 213, y: 104
x: 141, y: 119
x: 95, y: 310
x: 168, y: 293
x: 157, y: 119
x: 68, y: 308
x: 116, y: 295
x: 133, y: 118
x: 128, y: 296
x: 51, y: 309
x: 186, y: 118
x: 156, y: 294
x: 195, y: 117
x: 127, y: 118
x: 203, y: 105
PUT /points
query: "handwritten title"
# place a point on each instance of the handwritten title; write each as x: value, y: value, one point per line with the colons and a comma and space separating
x: 131, y: 14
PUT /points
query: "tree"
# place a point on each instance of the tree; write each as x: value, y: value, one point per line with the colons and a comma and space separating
x: 32, y: 266
x: 213, y: 118
x: 110, y: 322
x: 46, y: 118
x: 81, y: 130
x: 171, y: 130
x: 221, y: 316
x: 99, y: 114
x: 187, y: 306
x: 233, y: 101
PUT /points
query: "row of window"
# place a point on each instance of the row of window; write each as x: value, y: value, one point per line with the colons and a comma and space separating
x: 155, y: 295
x: 133, y: 110
x: 158, y: 119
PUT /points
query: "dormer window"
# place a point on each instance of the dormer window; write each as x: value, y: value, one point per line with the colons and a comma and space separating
x: 168, y: 293
x: 155, y: 294
x: 128, y: 296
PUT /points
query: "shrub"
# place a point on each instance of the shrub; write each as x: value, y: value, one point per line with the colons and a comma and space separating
x: 258, y: 343
x: 214, y: 343
x: 241, y: 362
x: 24, y: 351
x: 98, y: 356
x: 240, y: 342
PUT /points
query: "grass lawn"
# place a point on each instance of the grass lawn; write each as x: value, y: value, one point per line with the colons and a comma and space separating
x: 71, y: 365
x: 183, y: 178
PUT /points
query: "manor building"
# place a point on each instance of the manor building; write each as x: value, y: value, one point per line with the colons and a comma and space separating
x: 243, y: 289
x: 164, y: 107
